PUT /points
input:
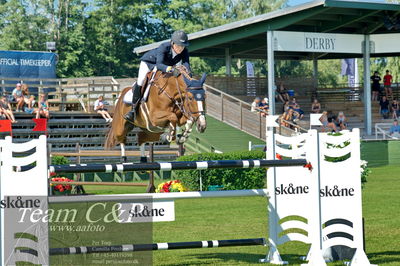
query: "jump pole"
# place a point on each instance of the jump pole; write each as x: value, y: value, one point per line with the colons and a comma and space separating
x: 168, y: 166
x: 157, y: 246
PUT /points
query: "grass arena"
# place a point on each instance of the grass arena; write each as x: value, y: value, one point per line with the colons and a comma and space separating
x: 168, y: 133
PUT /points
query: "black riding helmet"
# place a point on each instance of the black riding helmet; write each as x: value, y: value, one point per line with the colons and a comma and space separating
x: 179, y: 37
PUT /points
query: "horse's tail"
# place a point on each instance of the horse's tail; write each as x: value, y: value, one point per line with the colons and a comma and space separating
x: 118, y: 123
x: 110, y: 139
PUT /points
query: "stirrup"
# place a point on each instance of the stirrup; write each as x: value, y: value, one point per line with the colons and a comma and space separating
x: 130, y: 116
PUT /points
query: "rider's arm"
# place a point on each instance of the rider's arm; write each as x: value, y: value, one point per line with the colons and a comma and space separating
x: 161, y: 53
x: 185, y: 59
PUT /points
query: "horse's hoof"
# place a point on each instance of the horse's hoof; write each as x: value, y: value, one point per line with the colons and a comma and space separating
x: 143, y: 159
x: 124, y: 159
x: 181, y: 140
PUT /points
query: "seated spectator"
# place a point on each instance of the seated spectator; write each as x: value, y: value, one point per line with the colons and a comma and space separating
x: 281, y: 93
x: 315, y: 107
x: 341, y: 121
x: 29, y: 99
x: 395, y: 129
x: 324, y: 120
x: 287, y: 116
x: 395, y: 109
x: 264, y: 106
x: 285, y: 106
x: 296, y: 115
x: 384, y: 103
x: 43, y: 107
x: 296, y: 107
x: 5, y: 108
x: 255, y: 104
x: 18, y: 97
x: 331, y: 127
x: 99, y: 108
x: 292, y: 102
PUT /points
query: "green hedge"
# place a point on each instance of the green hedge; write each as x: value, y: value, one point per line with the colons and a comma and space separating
x: 230, y: 179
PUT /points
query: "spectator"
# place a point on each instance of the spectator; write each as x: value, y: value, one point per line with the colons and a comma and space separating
x: 282, y: 93
x: 99, y: 108
x: 292, y: 102
x: 296, y: 107
x: 255, y: 104
x: 43, y: 107
x: 376, y: 87
x: 29, y: 99
x: 387, y: 83
x: 287, y: 116
x: 384, y: 103
x: 316, y: 107
x: 285, y: 106
x: 395, y: 129
x: 264, y: 106
x: 18, y: 97
x: 395, y: 109
x: 341, y: 121
x: 5, y: 108
x: 324, y: 120
x: 331, y: 127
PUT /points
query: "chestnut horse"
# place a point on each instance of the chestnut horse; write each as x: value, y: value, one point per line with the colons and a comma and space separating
x: 171, y: 103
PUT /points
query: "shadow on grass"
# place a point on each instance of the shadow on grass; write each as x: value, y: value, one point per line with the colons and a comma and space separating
x: 232, y: 259
x: 384, y: 257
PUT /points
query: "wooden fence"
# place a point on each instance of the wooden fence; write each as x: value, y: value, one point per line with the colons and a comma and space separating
x: 68, y: 94
x: 258, y: 86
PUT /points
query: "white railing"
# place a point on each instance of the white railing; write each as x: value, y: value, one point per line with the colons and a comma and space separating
x: 382, y: 129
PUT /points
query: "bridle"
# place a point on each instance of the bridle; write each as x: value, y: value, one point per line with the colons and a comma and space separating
x: 181, y: 100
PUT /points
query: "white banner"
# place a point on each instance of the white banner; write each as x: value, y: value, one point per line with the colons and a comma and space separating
x: 317, y: 42
x: 385, y: 43
x: 146, y: 212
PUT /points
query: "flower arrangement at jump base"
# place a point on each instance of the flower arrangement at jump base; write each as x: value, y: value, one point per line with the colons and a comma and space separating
x: 61, y: 188
x: 171, y: 186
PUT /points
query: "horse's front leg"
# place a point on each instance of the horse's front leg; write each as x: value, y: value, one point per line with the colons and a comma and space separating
x: 186, y: 132
x: 166, y: 120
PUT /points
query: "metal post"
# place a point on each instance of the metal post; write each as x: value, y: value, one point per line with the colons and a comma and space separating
x: 151, y: 188
x: 228, y: 63
x: 367, y: 87
x: 271, y: 72
x: 79, y: 188
x: 315, y: 71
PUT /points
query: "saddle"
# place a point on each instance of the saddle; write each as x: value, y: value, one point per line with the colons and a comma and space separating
x: 144, y: 91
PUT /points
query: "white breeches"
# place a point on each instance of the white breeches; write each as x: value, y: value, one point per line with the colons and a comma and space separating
x: 143, y: 70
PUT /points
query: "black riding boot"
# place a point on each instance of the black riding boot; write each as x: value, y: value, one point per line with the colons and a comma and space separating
x: 131, y: 115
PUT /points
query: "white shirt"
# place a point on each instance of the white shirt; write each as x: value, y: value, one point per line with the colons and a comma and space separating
x: 98, y: 104
x: 254, y: 107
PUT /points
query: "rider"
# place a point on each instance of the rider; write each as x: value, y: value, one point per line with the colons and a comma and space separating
x: 163, y: 58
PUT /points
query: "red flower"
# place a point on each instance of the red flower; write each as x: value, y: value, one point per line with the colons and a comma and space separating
x: 309, y: 166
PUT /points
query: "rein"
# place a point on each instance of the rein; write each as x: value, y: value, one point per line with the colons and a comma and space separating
x: 179, y: 104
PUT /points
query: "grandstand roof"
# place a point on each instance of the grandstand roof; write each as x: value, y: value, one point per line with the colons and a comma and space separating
x: 247, y: 39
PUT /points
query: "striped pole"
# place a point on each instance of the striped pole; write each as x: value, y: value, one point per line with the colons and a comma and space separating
x: 168, y: 166
x: 157, y: 246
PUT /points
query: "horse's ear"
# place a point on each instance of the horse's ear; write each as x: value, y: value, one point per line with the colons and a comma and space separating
x: 203, y: 78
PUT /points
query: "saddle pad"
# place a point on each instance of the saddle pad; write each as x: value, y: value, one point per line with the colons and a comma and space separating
x: 128, y: 97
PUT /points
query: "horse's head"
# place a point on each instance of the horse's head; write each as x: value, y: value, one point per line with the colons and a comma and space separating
x: 195, y: 102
